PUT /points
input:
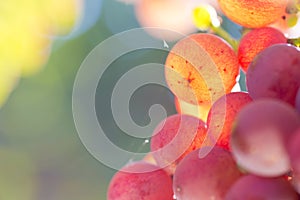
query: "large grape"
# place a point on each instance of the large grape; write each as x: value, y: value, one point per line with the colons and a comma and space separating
x: 253, y: 13
x: 255, y: 41
x: 275, y: 73
x: 260, y: 134
x: 252, y: 187
x: 222, y: 114
x: 140, y: 180
x: 205, y: 178
x: 201, y: 68
x: 175, y: 137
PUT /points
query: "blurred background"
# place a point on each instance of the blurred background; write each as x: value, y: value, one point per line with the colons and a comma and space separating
x: 42, y: 45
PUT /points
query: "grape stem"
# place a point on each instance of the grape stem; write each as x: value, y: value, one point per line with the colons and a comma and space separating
x: 226, y: 36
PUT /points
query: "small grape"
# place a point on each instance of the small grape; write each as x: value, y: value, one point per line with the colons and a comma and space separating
x: 253, y: 13
x: 252, y: 187
x: 275, y: 73
x: 205, y: 178
x: 175, y: 137
x: 223, y: 113
x: 140, y: 180
x: 255, y: 41
x: 260, y: 134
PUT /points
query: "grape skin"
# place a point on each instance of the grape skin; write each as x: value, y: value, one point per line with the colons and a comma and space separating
x: 260, y: 134
x: 201, y: 68
x: 275, y: 73
x: 225, y: 108
x: 174, y: 138
x: 255, y: 41
x: 253, y: 13
x: 205, y: 178
x: 252, y: 187
x: 140, y: 180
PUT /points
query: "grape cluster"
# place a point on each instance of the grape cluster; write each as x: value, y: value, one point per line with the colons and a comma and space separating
x: 224, y: 144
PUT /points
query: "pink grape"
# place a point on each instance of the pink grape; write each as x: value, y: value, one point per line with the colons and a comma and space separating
x: 275, y: 73
x: 174, y: 138
x: 222, y: 115
x: 205, y: 178
x: 294, y: 150
x: 259, y: 136
x: 140, y: 180
x: 252, y: 187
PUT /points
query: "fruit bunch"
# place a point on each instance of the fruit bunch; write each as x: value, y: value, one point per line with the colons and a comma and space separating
x: 27, y: 30
x: 223, y: 144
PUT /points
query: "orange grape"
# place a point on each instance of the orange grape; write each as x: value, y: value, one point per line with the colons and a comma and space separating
x: 253, y: 13
x: 201, y: 68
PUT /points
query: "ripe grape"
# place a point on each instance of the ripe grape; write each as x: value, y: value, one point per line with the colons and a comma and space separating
x: 255, y: 41
x: 201, y: 68
x: 140, y: 180
x: 259, y: 136
x: 275, y: 73
x: 175, y: 137
x: 200, y: 111
x: 253, y: 13
x: 205, y: 178
x: 252, y: 187
x: 222, y: 114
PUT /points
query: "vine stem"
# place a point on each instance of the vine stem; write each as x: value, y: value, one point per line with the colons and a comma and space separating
x: 226, y: 36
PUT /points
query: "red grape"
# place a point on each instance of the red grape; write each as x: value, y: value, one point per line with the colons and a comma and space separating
x: 252, y: 187
x: 175, y: 137
x: 253, y: 13
x: 260, y: 134
x: 205, y: 178
x: 275, y: 73
x: 255, y: 41
x: 222, y: 115
x: 200, y: 68
x: 140, y: 180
